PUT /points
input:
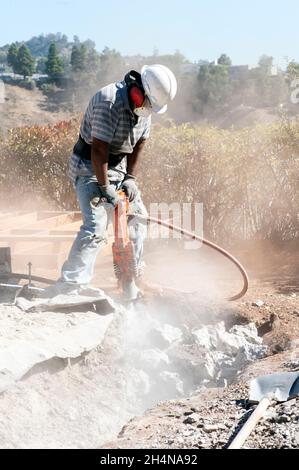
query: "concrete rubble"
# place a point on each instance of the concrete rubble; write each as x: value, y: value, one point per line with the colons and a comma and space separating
x: 100, y: 303
x: 185, y: 359
x: 146, y: 357
x: 20, y: 355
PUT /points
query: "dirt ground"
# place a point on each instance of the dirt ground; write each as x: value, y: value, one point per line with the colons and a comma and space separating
x: 211, y: 418
x: 102, y: 398
x: 23, y: 107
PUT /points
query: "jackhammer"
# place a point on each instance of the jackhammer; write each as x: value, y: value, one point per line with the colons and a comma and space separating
x: 124, y: 260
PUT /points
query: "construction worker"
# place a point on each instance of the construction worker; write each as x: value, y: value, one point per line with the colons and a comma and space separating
x: 112, y: 136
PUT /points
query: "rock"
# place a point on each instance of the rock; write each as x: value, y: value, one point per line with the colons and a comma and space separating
x: 258, y: 303
x: 250, y: 353
x: 164, y: 335
x: 281, y: 419
x: 191, y: 419
x: 266, y: 327
x: 209, y: 428
x: 221, y: 353
x: 246, y: 332
x: 201, y: 445
x: 188, y: 432
x: 207, y: 336
x: 296, y: 312
x: 20, y: 356
x: 221, y: 442
x: 270, y: 415
x: 222, y: 427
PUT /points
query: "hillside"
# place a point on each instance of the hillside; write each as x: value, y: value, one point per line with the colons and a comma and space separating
x: 27, y: 107
x: 30, y: 107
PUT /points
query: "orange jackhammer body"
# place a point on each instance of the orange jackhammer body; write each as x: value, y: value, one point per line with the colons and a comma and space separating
x: 124, y: 260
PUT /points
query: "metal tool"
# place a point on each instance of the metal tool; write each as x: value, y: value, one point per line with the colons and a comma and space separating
x: 124, y: 260
x: 265, y: 390
x: 10, y: 290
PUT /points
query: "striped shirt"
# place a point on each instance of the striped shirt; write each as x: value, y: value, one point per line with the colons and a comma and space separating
x: 109, y: 118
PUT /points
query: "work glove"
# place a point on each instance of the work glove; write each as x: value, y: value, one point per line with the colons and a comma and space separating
x: 108, y: 193
x: 129, y: 186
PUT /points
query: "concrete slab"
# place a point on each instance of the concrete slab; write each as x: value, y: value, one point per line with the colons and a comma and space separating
x: 17, y: 357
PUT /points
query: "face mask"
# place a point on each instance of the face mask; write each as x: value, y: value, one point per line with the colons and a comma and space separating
x: 145, y: 110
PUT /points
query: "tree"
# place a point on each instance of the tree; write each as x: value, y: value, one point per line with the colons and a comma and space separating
x: 3, y: 58
x: 92, y: 61
x: 292, y: 70
x: 112, y: 66
x: 224, y: 60
x: 264, y: 82
x: 174, y: 61
x: 265, y: 63
x: 54, y: 65
x: 41, y: 65
x: 78, y: 58
x: 214, y: 87
x: 25, y: 62
x: 89, y: 44
x: 12, y: 57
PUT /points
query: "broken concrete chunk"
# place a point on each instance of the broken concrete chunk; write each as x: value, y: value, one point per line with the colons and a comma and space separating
x: 207, y: 336
x: 209, y: 428
x: 215, y: 361
x: 227, y: 351
x: 247, y: 332
x: 191, y: 419
x: 217, y: 338
x: 164, y: 335
x: 18, y: 357
x: 68, y: 303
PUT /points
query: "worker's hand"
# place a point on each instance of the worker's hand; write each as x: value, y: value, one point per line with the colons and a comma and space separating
x: 109, y: 192
x: 129, y: 186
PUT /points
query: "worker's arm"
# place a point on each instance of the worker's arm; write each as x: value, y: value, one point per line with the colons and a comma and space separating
x: 132, y: 159
x: 99, y: 159
x: 129, y: 185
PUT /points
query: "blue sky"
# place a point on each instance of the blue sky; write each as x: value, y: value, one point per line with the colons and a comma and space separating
x: 201, y: 29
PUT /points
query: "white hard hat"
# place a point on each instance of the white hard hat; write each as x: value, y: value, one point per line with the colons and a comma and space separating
x: 160, y: 86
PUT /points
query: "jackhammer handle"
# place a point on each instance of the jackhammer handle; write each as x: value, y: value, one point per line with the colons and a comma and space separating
x: 250, y: 424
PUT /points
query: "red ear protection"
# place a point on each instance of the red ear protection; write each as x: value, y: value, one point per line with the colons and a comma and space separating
x: 136, y: 96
